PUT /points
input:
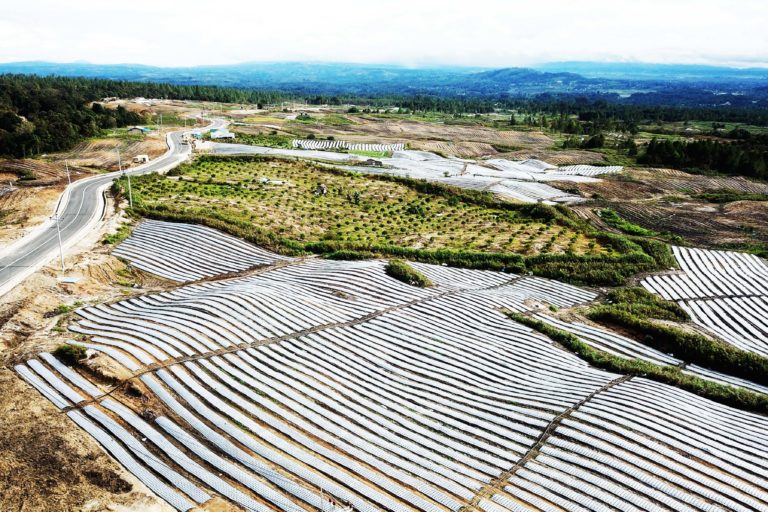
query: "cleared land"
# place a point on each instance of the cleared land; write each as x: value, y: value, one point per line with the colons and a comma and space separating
x: 667, y: 200
x: 101, y: 153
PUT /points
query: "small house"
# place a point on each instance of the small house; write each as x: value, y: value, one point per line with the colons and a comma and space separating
x: 222, y: 134
x: 138, y: 130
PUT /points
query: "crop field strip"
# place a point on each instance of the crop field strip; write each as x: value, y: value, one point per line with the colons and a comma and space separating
x: 539, y: 170
x: 406, y: 410
x: 340, y: 144
x: 616, y: 344
x: 185, y: 252
x: 724, y: 292
x: 644, y: 446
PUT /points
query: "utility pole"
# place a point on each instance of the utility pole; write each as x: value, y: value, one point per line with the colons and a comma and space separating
x: 58, y: 232
x: 69, y: 180
x: 120, y: 166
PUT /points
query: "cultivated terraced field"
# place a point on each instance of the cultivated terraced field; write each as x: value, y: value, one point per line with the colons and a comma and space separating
x: 358, y: 209
x: 340, y: 144
x: 319, y: 382
x: 724, y: 292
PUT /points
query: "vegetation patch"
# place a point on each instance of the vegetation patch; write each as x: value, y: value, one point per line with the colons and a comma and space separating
x: 271, y: 140
x: 729, y: 196
x: 123, y: 232
x: 729, y: 395
x: 402, y: 271
x: 371, y: 154
x: 70, y: 354
x: 614, y: 220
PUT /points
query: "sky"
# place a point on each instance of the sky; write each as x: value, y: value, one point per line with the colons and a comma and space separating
x: 484, y: 33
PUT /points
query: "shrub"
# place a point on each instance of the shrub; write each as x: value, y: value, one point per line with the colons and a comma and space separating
x: 70, y: 354
x: 402, y: 271
x: 640, y: 302
x: 63, y: 309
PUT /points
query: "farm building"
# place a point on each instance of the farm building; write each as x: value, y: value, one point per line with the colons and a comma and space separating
x: 139, y: 130
x: 222, y: 134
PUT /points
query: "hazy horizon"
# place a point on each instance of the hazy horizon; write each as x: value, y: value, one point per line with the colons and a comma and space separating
x: 492, y: 34
x: 533, y: 65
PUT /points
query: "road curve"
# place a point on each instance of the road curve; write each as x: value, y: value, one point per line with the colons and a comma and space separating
x: 83, y: 206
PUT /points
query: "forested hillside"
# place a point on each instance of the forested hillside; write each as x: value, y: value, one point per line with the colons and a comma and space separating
x: 44, y: 114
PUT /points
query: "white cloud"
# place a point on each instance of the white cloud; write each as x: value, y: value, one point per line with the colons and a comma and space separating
x: 490, y: 33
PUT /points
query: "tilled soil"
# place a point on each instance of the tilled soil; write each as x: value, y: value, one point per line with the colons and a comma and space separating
x: 662, y: 200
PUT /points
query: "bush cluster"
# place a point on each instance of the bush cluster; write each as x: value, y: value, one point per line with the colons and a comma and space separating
x: 70, y: 354
x: 402, y: 271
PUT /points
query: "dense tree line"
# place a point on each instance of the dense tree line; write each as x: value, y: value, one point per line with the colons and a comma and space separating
x: 45, y: 114
x: 745, y: 157
x: 40, y: 114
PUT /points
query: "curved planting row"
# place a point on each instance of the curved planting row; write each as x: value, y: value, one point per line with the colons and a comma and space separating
x: 340, y: 144
x: 590, y: 170
x: 724, y: 292
x: 186, y: 252
x: 711, y: 274
x: 618, y: 345
x: 644, y: 446
x: 326, y: 383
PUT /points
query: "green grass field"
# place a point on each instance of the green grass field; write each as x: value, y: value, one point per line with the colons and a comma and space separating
x: 371, y: 154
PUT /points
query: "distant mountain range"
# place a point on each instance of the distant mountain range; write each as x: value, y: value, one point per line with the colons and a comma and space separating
x: 707, y: 83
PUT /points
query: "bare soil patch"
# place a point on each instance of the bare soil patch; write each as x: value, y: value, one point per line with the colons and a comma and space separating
x: 22, y: 209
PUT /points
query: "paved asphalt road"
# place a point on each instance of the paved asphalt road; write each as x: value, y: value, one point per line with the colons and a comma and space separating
x: 85, y: 206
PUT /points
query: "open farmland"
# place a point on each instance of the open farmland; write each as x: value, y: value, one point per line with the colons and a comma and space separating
x: 280, y: 197
x: 316, y: 383
x: 724, y: 292
x: 519, y: 181
x: 445, y: 135
x: 671, y: 201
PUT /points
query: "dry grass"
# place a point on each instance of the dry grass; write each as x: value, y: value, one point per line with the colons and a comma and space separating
x: 101, y: 153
